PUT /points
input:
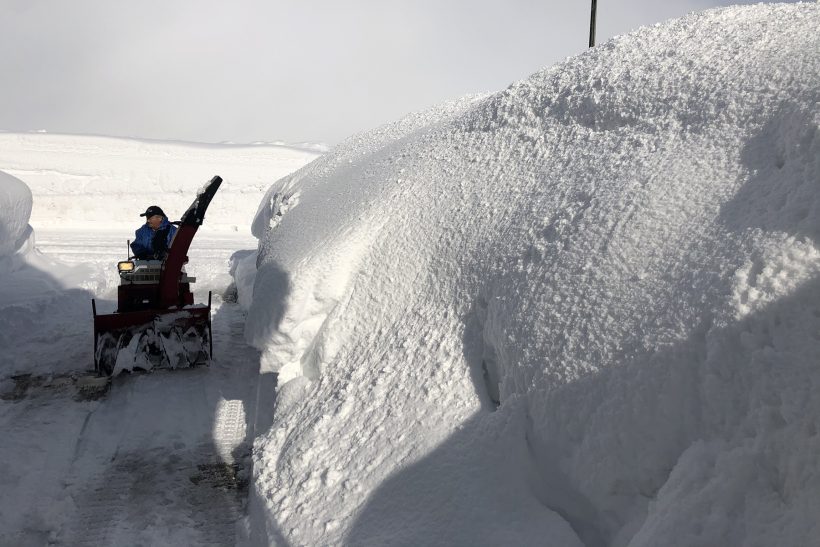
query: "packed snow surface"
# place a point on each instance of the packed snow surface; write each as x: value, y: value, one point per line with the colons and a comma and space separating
x: 159, y: 458
x: 582, y: 311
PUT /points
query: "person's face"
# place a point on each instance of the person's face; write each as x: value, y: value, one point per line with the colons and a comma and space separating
x: 154, y: 221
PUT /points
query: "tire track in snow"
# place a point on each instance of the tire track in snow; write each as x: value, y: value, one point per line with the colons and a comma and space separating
x: 161, y: 459
x: 170, y: 474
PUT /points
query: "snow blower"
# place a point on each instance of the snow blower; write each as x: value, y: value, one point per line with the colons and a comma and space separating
x: 157, y: 324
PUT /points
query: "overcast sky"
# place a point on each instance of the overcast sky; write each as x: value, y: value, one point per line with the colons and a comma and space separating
x: 264, y: 70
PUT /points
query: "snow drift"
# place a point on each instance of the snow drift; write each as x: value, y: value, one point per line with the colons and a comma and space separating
x: 15, y: 232
x: 584, y: 310
x: 29, y: 283
x: 20, y: 262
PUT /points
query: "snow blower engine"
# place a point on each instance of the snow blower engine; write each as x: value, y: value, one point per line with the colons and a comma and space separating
x: 157, y: 324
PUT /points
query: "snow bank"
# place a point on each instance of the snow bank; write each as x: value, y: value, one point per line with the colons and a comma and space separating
x: 29, y: 282
x: 582, y: 309
x: 92, y: 182
x: 15, y: 232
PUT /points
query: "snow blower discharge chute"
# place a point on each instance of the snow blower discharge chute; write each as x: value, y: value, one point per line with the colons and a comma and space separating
x: 157, y: 324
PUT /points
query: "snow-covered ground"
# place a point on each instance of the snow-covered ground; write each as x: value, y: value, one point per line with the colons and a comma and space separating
x: 581, y: 311
x: 88, y: 194
x: 161, y: 458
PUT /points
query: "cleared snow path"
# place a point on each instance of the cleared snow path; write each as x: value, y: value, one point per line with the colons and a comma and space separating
x: 162, y: 458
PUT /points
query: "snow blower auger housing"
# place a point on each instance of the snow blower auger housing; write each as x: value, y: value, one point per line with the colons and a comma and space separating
x: 156, y: 324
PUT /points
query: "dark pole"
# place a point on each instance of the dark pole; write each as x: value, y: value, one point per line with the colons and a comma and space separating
x: 592, y: 24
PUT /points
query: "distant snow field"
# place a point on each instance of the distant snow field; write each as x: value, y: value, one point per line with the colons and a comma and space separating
x: 104, y: 182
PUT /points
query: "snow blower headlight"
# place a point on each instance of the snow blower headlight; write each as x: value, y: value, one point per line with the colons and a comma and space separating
x: 126, y: 266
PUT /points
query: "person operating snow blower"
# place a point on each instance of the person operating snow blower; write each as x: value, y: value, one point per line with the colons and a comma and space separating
x: 157, y: 324
x: 154, y: 237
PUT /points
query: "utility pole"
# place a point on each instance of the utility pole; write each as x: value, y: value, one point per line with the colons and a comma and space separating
x: 592, y: 24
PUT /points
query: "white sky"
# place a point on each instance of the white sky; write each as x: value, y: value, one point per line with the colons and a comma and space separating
x: 264, y: 70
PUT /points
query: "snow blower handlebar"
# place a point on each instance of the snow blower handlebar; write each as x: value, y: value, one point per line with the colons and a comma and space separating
x: 178, y: 253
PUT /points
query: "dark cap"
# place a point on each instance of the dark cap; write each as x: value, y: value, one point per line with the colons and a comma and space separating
x: 151, y: 211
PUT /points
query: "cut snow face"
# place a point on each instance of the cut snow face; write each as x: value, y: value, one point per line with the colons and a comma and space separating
x: 24, y: 272
x: 583, y: 309
x: 27, y: 278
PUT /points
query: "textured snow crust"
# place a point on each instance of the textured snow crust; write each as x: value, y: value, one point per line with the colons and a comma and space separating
x: 584, y: 310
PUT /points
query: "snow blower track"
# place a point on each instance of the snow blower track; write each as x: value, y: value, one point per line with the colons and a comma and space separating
x: 190, y: 485
x: 160, y: 458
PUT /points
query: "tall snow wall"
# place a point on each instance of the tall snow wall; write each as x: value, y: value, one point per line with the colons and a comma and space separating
x: 584, y: 310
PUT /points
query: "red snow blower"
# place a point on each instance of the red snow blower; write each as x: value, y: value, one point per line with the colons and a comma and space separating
x: 157, y: 324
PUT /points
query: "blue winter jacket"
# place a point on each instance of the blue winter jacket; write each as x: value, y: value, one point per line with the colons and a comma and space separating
x: 150, y: 245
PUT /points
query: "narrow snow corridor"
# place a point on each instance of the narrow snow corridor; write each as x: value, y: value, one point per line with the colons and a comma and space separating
x: 161, y: 458
x: 583, y: 310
